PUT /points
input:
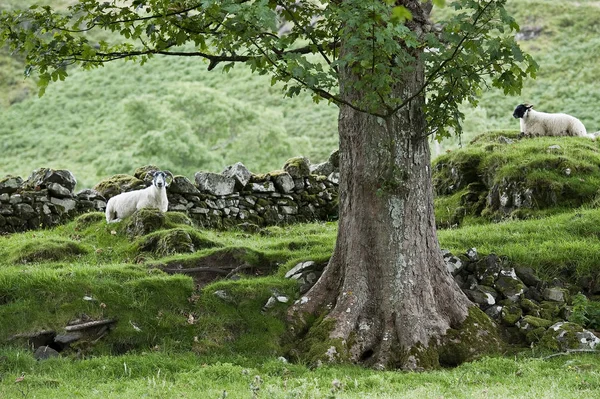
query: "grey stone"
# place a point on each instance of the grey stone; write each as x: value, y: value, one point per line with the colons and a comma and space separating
x: 41, y: 178
x: 67, y: 204
x: 15, y: 199
x: 284, y: 182
x: 300, y: 268
x: 571, y: 336
x: 555, y: 294
x: 239, y: 173
x: 10, y: 184
x: 25, y: 210
x: 289, y: 210
x: 527, y: 276
x: 453, y: 263
x: 4, y: 197
x: 472, y: 254
x: 494, y: 311
x: 322, y: 169
x: 44, y: 352
x: 263, y: 187
x: 182, y: 185
x: 59, y: 191
x: 215, y: 184
x: 297, y: 167
x: 510, y: 287
x: 68, y: 338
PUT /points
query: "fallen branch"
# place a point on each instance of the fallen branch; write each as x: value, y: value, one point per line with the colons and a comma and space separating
x: 90, y: 324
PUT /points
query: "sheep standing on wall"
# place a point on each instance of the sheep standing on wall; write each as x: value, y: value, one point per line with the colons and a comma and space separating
x: 125, y: 204
x: 534, y: 123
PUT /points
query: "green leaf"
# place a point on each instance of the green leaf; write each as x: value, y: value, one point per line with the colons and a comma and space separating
x: 439, y: 3
x: 401, y: 14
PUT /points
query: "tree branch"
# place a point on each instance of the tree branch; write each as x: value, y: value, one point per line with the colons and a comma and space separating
x: 433, y: 74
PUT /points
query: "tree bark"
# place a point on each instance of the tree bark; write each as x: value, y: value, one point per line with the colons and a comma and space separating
x: 386, y: 292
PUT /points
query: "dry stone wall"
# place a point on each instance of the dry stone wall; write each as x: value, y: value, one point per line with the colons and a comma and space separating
x: 300, y: 192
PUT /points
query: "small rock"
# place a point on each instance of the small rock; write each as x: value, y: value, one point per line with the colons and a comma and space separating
x: 472, y: 254
x: 222, y: 294
x: 555, y: 294
x: 44, y: 352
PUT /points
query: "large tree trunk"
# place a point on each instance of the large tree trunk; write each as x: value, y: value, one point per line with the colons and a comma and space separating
x: 386, y: 292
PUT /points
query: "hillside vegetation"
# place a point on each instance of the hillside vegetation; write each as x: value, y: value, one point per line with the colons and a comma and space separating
x: 173, y: 113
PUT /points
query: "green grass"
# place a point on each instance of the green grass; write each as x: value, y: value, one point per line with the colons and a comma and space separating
x: 155, y: 375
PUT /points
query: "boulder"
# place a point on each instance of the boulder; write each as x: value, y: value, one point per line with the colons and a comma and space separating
x: 214, y: 183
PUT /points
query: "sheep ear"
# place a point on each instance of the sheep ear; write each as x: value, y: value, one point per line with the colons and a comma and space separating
x: 170, y: 175
x: 529, y: 106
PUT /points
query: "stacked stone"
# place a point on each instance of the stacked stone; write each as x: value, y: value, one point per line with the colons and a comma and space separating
x: 528, y: 308
x: 45, y: 199
x: 237, y: 196
x: 301, y: 192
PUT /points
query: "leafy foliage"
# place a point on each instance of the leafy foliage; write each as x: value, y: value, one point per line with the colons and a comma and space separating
x: 585, y: 312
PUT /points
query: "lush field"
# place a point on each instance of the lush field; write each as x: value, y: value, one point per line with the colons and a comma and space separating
x: 159, y: 375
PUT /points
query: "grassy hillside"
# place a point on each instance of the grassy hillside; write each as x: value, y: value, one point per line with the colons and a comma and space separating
x: 174, y: 113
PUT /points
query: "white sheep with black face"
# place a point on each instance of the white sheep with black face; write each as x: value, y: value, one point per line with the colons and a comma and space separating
x: 154, y: 196
x: 534, y: 123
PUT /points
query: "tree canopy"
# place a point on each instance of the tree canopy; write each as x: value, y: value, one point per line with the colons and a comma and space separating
x: 296, y: 42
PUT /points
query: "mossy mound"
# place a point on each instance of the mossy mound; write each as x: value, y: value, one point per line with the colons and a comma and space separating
x: 500, y: 175
x: 47, y: 250
x: 174, y: 241
x: 117, y: 184
x: 144, y: 221
x: 88, y: 219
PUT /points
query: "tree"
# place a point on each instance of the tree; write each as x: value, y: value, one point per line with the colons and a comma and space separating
x: 385, y: 298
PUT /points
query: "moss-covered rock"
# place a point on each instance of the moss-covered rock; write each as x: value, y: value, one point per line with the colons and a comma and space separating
x: 536, y: 322
x: 174, y: 241
x: 549, y: 310
x: 144, y: 172
x: 477, y: 336
x: 297, y: 167
x: 530, y: 307
x: 117, y: 184
x: 511, y: 314
x: 144, y: 221
x: 563, y: 336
